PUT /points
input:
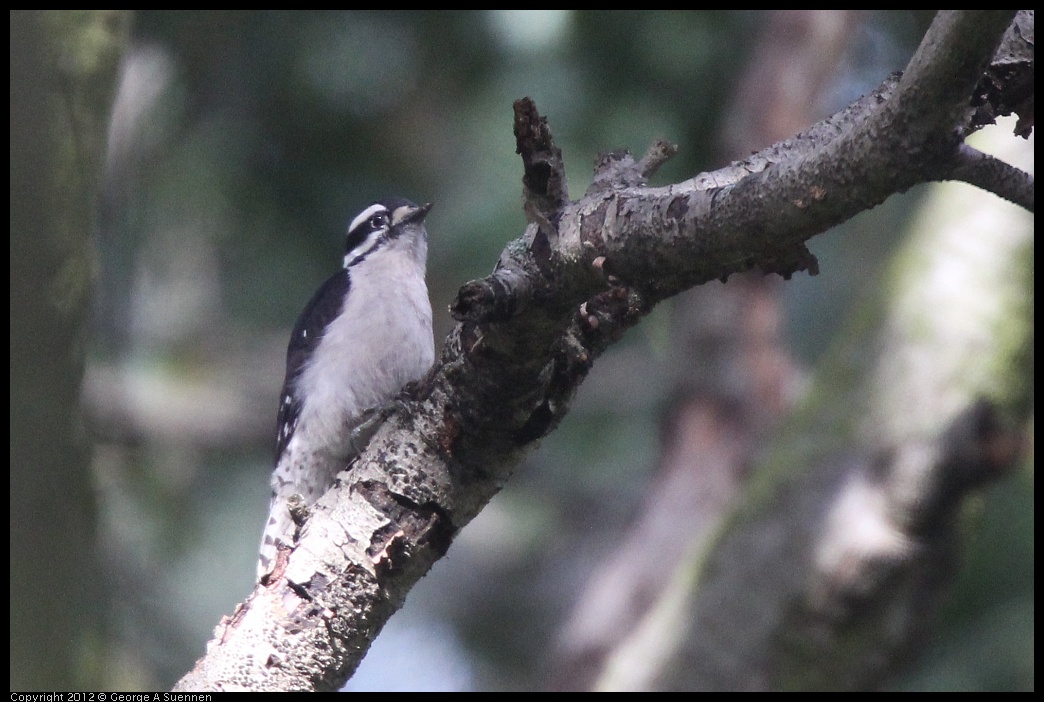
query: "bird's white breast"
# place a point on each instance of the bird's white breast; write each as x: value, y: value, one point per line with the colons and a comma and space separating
x: 381, y: 340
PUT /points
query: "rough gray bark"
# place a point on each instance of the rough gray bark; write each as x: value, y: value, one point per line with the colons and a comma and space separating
x: 583, y: 272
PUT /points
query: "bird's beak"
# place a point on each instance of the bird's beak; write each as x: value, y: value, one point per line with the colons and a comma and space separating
x: 405, y: 215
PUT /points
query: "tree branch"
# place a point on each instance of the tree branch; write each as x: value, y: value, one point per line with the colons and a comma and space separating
x: 543, y: 179
x: 993, y: 175
x: 583, y: 272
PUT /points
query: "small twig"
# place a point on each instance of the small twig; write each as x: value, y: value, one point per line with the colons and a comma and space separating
x: 993, y: 175
x: 543, y: 179
x: 658, y: 154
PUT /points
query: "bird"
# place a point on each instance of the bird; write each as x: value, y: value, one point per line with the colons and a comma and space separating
x: 363, y: 336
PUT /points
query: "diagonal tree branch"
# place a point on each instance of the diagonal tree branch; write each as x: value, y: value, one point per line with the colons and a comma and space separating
x: 583, y: 272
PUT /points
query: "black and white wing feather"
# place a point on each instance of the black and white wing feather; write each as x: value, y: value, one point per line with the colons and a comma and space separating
x: 324, y: 306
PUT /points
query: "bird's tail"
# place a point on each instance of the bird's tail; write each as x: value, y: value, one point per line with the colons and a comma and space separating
x: 279, y: 529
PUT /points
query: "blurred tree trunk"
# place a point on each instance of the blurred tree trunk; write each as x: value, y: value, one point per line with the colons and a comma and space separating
x: 832, y: 569
x: 63, y: 73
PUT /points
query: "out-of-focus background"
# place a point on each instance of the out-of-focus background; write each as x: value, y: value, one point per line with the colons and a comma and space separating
x: 242, y: 143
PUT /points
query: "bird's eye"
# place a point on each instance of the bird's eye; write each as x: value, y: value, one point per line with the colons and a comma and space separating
x: 379, y: 220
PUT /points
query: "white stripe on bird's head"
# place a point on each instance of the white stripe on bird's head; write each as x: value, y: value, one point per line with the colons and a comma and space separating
x: 372, y: 226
